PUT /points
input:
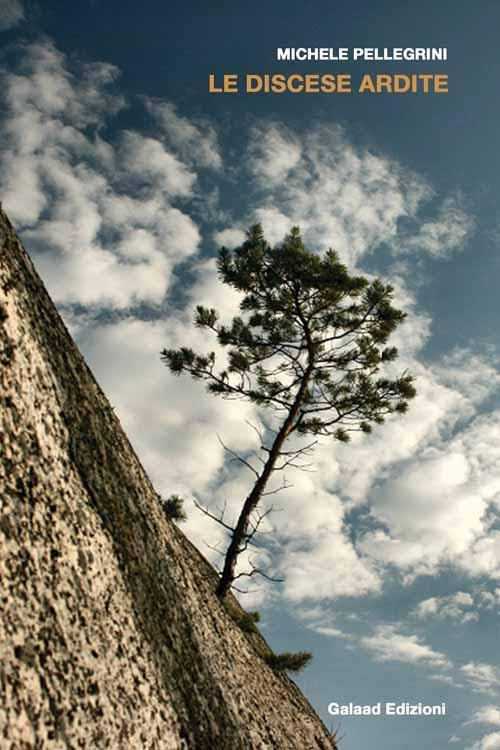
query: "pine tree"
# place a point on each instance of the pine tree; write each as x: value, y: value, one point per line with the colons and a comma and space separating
x: 309, y: 344
x: 173, y: 507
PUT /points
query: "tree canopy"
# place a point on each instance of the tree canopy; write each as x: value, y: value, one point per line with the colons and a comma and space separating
x: 310, y: 343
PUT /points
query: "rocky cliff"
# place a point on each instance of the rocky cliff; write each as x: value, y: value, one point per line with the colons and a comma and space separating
x: 110, y: 634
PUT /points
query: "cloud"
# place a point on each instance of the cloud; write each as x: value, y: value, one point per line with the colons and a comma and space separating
x: 389, y: 645
x: 488, y: 742
x: 441, y: 236
x: 11, y: 13
x: 448, y: 490
x: 321, y: 621
x: 454, y: 607
x: 483, y: 558
x: 196, y: 141
x: 274, y: 152
x: 316, y: 556
x: 472, y: 374
x: 148, y: 161
x: 462, y: 607
x: 446, y: 680
x: 230, y: 237
x: 486, y: 715
x: 488, y: 599
x: 484, y: 678
x: 331, y: 632
x: 100, y: 217
x: 347, y: 197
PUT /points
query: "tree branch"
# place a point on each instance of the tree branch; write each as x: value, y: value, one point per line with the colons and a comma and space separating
x: 219, y: 520
x: 237, y: 457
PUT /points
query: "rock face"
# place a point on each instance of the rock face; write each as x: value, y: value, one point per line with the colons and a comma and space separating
x: 110, y: 634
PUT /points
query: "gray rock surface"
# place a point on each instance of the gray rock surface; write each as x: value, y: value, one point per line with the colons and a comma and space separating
x: 110, y: 634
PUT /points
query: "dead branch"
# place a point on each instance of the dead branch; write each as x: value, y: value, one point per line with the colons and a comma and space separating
x: 256, y: 429
x: 219, y: 520
x: 257, y: 571
x: 284, y: 486
x: 237, y: 457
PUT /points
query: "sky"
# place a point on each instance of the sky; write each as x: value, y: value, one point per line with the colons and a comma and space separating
x: 124, y: 175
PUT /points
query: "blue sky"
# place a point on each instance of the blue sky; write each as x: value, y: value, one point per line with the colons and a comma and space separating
x: 123, y: 176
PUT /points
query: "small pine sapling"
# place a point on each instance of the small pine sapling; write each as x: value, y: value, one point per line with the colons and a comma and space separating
x: 288, y: 661
x: 173, y: 507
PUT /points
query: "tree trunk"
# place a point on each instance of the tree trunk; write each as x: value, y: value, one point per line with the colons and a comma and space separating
x: 241, y: 529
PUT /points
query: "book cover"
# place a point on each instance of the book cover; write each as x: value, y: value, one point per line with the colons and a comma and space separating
x: 294, y: 204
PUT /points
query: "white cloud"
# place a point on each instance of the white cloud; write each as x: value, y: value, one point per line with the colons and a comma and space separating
x: 274, y: 152
x: 99, y: 217
x: 484, y: 678
x: 447, y: 491
x: 319, y: 561
x: 195, y: 140
x: 389, y: 645
x: 330, y: 632
x: 483, y: 558
x: 11, y: 13
x: 208, y: 291
x: 486, y: 715
x: 474, y: 375
x: 446, y: 680
x: 346, y: 197
x: 147, y: 159
x: 488, y: 599
x: 441, y: 236
x: 276, y: 224
x: 462, y: 607
x: 232, y: 237
x: 321, y: 621
x: 488, y: 742
x: 458, y: 606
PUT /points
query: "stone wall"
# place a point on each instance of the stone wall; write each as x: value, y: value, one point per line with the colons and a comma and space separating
x: 110, y: 633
